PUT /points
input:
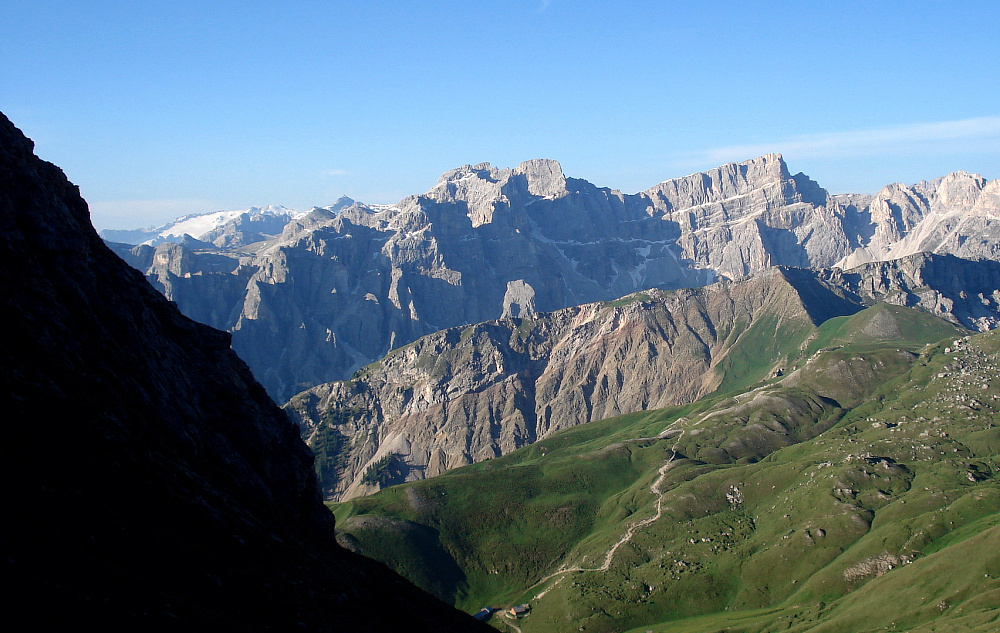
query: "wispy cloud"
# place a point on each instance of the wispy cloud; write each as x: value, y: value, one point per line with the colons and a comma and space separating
x: 334, y: 172
x: 978, y: 134
x: 543, y: 5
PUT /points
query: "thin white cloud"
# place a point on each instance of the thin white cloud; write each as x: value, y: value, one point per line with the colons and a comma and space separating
x: 334, y: 172
x: 543, y: 6
x: 978, y: 134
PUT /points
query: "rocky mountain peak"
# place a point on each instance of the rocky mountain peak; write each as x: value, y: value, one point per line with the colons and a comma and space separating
x: 772, y: 164
x: 342, y: 203
x: 544, y: 176
x: 957, y: 192
x: 960, y: 189
x: 727, y: 183
x: 896, y: 209
x: 482, y: 171
x: 475, y: 187
x: 481, y: 188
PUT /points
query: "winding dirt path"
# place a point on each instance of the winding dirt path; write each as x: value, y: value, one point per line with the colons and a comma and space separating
x: 510, y: 624
x: 654, y: 488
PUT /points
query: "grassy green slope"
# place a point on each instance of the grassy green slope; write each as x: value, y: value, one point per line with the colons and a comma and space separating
x: 871, y: 465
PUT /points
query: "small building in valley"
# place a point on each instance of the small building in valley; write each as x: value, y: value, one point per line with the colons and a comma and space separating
x: 483, y: 614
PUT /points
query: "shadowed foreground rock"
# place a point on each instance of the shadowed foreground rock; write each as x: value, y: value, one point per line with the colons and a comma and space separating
x: 149, y: 483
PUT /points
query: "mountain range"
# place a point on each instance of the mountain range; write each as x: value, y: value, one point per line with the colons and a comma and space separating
x: 512, y: 250
x: 340, y: 286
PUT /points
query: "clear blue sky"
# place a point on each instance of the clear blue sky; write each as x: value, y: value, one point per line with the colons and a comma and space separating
x: 162, y: 108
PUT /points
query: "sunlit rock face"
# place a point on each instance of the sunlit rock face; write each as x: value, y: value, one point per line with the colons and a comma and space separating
x: 471, y: 393
x: 958, y: 214
x: 339, y: 287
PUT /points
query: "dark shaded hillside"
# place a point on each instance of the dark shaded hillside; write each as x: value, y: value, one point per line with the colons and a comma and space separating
x: 149, y: 481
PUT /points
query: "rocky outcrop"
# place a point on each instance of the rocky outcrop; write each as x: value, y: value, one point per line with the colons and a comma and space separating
x: 471, y: 393
x: 150, y: 483
x: 965, y: 292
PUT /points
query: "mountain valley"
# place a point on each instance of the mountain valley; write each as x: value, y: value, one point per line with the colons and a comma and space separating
x: 855, y: 492
x: 517, y: 317
x: 731, y: 402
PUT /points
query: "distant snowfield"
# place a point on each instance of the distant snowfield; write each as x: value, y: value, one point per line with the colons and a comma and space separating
x: 200, y: 224
x: 196, y: 225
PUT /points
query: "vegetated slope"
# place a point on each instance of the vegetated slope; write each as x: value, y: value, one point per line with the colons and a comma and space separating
x: 343, y: 285
x: 472, y: 393
x: 856, y: 493
x: 150, y: 484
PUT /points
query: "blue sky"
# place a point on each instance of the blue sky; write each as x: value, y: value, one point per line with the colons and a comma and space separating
x: 158, y: 109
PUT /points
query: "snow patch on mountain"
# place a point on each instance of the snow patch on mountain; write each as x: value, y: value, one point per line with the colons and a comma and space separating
x: 196, y: 225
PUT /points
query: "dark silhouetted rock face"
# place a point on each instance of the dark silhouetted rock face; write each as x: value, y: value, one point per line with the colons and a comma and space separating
x: 149, y: 481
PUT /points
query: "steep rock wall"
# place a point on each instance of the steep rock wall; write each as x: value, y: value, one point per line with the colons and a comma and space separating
x: 150, y: 482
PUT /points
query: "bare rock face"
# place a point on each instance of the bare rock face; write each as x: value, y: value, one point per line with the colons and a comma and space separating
x: 743, y: 217
x: 150, y: 482
x: 343, y: 285
x: 965, y: 292
x: 471, y: 393
x: 519, y: 300
x: 957, y: 215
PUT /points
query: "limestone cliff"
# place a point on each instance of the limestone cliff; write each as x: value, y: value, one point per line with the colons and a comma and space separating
x: 958, y: 214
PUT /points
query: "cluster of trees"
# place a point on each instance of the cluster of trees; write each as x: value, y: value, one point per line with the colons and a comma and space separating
x: 387, y: 471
